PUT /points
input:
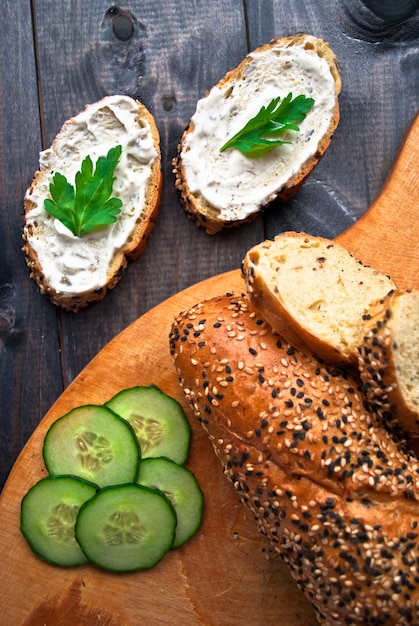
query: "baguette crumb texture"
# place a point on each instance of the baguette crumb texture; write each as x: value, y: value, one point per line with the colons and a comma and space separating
x: 389, y: 360
x: 335, y: 494
x: 71, y: 271
x: 313, y: 292
x: 224, y: 189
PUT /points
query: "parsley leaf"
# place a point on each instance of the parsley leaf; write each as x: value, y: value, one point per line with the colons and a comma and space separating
x: 88, y: 205
x: 259, y: 135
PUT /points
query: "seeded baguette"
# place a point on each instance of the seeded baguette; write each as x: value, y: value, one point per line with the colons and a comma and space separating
x: 337, y: 497
x: 313, y: 292
x: 46, y: 242
x: 389, y: 360
x: 276, y: 68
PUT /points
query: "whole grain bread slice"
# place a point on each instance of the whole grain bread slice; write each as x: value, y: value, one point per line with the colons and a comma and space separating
x: 223, y: 189
x: 389, y: 360
x: 75, y: 271
x: 313, y: 292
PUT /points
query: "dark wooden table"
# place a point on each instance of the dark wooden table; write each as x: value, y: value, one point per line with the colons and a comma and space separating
x: 58, y: 56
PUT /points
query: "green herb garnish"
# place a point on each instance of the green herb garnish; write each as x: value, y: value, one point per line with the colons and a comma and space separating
x: 259, y: 135
x: 89, y: 205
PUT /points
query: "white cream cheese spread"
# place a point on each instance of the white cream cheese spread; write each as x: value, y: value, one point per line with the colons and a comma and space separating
x: 73, y: 264
x: 230, y: 182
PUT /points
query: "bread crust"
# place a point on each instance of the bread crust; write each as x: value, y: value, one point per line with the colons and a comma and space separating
x: 337, y: 497
x: 388, y: 361
x: 133, y: 247
x: 196, y: 207
x: 326, y: 277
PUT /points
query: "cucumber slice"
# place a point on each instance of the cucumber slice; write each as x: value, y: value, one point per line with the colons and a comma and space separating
x: 158, y: 420
x: 48, y: 516
x: 94, y: 443
x: 180, y: 486
x: 124, y: 528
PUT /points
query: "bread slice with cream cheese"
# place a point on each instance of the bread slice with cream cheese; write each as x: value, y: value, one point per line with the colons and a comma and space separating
x: 314, y: 293
x: 223, y: 189
x: 74, y: 271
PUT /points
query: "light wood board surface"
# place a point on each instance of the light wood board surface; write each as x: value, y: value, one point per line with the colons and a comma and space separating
x: 226, y: 574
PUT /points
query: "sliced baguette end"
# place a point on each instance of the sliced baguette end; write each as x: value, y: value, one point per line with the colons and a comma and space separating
x: 388, y: 360
x: 314, y: 292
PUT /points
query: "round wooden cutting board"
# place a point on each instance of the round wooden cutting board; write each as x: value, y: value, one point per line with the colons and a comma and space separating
x: 222, y: 576
x: 227, y: 574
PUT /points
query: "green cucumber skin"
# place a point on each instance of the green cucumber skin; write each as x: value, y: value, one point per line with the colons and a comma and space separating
x: 182, y: 506
x: 181, y: 487
x: 116, y: 461
x: 98, y: 531
x: 38, y: 507
x: 149, y: 407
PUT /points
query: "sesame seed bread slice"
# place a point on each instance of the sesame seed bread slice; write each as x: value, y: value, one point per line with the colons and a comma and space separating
x: 314, y: 292
x: 223, y: 189
x: 76, y: 271
x: 389, y: 360
x: 335, y: 494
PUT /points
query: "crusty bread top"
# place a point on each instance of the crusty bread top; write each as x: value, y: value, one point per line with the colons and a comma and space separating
x: 75, y: 271
x: 313, y: 292
x: 222, y: 189
x: 337, y: 496
x: 389, y: 360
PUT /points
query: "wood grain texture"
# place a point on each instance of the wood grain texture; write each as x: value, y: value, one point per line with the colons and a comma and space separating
x: 387, y: 235
x: 29, y: 348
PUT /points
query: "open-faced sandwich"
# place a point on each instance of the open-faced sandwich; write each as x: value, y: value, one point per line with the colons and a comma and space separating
x: 93, y: 203
x: 259, y: 132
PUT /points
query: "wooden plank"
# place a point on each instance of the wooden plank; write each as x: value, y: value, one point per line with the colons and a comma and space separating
x: 175, y: 53
x: 378, y: 62
x: 30, y: 372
